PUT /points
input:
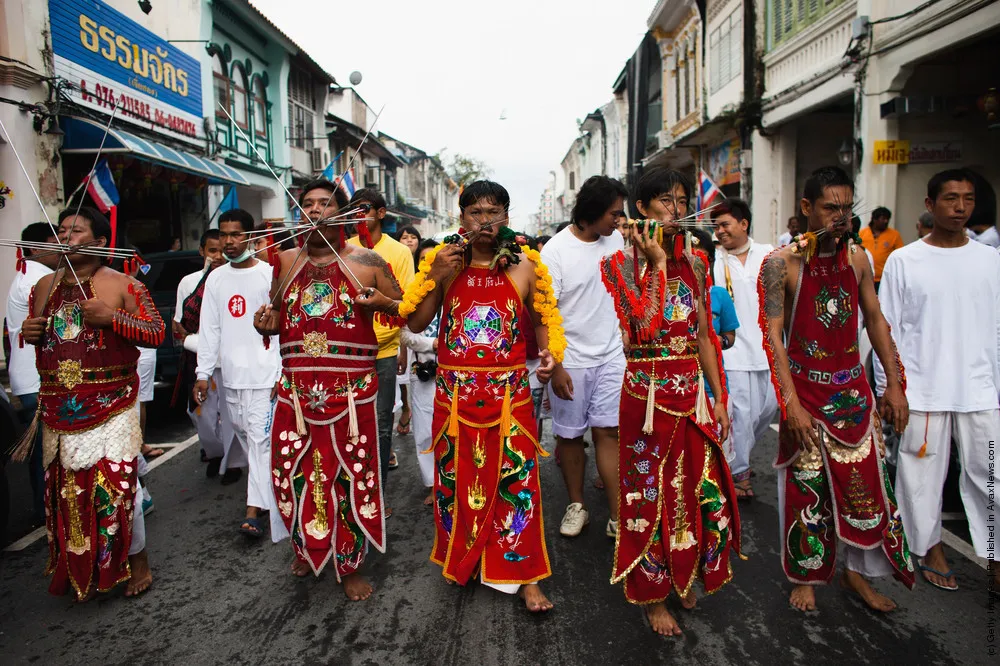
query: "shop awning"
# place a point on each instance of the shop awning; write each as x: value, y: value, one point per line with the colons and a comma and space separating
x: 84, y: 136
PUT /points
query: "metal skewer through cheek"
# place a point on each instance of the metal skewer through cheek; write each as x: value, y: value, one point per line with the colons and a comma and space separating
x: 27, y: 178
x: 305, y: 215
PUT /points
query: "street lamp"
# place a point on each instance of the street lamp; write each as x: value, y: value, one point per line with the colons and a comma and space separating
x: 845, y: 155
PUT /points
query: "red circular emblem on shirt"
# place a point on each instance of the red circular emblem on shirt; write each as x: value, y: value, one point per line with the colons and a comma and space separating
x: 237, y: 306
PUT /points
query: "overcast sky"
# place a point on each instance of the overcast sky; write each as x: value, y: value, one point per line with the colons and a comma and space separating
x: 447, y: 69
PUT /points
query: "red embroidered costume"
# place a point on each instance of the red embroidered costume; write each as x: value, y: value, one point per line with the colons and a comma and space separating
x: 841, y: 490
x: 91, y: 436
x: 324, y: 442
x: 488, y: 503
x: 678, y: 519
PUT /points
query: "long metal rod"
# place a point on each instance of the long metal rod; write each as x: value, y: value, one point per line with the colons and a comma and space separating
x: 27, y: 178
x: 289, y: 194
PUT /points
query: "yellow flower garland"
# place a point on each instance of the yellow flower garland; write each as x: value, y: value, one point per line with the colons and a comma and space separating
x: 420, y: 286
x: 546, y: 306
x: 544, y: 300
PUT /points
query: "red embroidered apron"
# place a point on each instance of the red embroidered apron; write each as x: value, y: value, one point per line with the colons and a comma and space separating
x: 87, y: 377
x: 327, y: 482
x: 842, y: 491
x: 487, y: 499
x: 677, y: 516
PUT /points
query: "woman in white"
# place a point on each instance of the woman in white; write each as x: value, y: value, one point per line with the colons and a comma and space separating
x: 422, y: 351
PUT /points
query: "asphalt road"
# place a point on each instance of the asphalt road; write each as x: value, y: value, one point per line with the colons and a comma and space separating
x: 218, y: 598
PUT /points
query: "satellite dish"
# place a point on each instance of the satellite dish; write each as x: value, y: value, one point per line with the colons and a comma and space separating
x: 355, y: 78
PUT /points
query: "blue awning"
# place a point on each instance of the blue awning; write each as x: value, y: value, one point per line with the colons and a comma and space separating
x: 84, y: 136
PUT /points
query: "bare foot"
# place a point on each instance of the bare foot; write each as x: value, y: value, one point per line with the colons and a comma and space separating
x: 142, y: 576
x: 661, y: 620
x: 690, y: 601
x: 300, y: 568
x: 803, y: 597
x: 855, y: 582
x: 534, y: 600
x: 936, y: 560
x: 357, y: 588
x: 429, y: 500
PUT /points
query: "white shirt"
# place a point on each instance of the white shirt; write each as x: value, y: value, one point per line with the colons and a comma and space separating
x: 988, y: 237
x: 747, y: 353
x: 589, y: 319
x: 185, y: 288
x: 23, y: 372
x: 784, y: 239
x: 227, y: 338
x: 943, y: 305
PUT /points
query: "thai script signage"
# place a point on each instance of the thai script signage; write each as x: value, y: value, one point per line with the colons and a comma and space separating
x: 891, y: 152
x: 114, y: 59
x: 935, y: 151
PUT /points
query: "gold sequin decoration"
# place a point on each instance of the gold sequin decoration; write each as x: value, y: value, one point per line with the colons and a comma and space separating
x: 70, y: 373
x: 315, y: 344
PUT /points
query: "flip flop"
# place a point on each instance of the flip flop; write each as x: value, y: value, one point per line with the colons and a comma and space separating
x: 949, y: 574
x: 253, y: 527
x: 404, y: 428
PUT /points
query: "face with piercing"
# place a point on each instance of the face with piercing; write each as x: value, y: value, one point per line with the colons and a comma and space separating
x: 666, y: 207
x: 484, y: 207
x: 319, y: 204
x: 831, y: 211
x: 87, y: 227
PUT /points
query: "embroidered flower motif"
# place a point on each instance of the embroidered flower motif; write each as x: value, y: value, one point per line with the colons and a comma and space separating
x: 651, y: 493
x: 639, y: 446
x: 631, y: 497
x: 636, y: 524
x: 642, y: 467
x: 368, y: 510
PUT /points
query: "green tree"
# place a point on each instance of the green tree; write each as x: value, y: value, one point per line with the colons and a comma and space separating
x: 464, y: 169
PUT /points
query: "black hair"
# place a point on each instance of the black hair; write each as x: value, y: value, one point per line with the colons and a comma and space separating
x: 369, y: 195
x: 412, y: 230
x: 484, y: 189
x: 660, y: 180
x: 734, y: 206
x: 938, y: 180
x: 596, y: 196
x: 542, y: 240
x: 238, y: 215
x: 425, y: 244
x: 210, y: 234
x: 822, y: 178
x: 706, y: 245
x: 339, y: 196
x: 562, y: 225
x: 926, y: 220
x: 882, y: 211
x: 855, y: 224
x: 99, y: 225
x: 37, y: 232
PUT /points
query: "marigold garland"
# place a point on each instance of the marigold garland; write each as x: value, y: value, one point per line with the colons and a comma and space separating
x: 545, y: 305
x: 420, y: 286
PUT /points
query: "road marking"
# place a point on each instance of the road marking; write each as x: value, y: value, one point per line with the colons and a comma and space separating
x: 957, y: 543
x: 175, y: 449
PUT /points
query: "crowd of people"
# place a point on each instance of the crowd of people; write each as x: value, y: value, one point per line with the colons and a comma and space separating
x: 672, y: 341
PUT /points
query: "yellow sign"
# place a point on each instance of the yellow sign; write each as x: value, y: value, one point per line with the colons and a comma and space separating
x: 891, y: 152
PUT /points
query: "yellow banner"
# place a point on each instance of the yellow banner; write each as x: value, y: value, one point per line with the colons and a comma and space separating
x: 891, y: 152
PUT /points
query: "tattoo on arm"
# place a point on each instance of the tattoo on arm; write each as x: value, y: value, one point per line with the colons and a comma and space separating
x: 368, y: 258
x: 700, y: 271
x: 773, y: 278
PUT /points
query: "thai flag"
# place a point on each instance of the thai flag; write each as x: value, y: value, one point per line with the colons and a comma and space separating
x: 347, y: 184
x: 707, y: 190
x: 328, y: 171
x: 102, y: 187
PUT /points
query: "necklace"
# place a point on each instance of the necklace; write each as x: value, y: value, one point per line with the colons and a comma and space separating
x: 744, y: 249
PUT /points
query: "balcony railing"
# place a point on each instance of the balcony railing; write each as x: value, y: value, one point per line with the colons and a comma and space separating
x: 787, y: 18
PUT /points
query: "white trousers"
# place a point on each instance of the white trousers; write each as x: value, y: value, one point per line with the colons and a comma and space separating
x: 752, y: 406
x: 252, y: 412
x: 920, y: 480
x: 422, y: 415
x: 869, y: 563
x: 215, y: 428
x: 506, y: 588
x: 138, y: 523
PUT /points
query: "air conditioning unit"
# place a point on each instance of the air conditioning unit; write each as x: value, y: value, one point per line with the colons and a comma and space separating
x: 318, y: 161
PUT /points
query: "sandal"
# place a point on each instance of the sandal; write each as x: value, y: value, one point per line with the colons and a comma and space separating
x: 148, y: 452
x: 947, y: 574
x: 252, y: 527
x: 743, y: 491
x: 393, y: 462
x: 404, y: 428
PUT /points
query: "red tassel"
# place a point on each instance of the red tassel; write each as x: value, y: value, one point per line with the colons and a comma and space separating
x: 275, y: 267
x: 20, y: 341
x: 768, y: 348
x: 364, y: 235
x: 267, y: 341
x: 678, y: 246
x: 131, y: 290
x: 20, y: 265
x: 340, y: 236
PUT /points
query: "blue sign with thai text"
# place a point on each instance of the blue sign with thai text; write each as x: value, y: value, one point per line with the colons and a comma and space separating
x: 116, y: 60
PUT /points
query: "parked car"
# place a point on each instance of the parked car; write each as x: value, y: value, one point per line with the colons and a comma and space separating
x: 165, y: 272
